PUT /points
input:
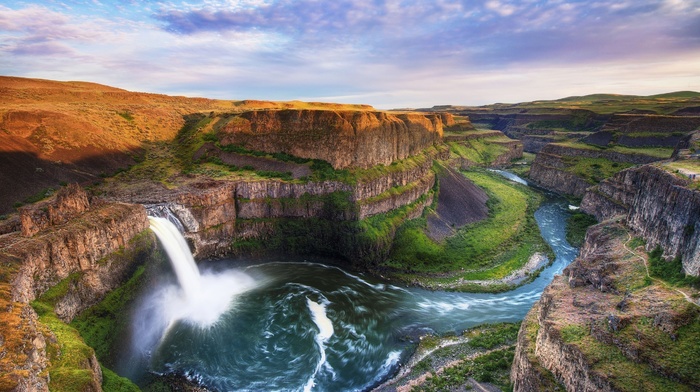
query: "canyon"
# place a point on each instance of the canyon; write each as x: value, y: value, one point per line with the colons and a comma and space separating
x: 249, y: 178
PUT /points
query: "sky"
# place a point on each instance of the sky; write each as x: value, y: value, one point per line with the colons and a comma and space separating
x: 387, y: 53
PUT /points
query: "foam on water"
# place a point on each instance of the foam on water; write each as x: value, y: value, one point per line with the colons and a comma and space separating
x: 325, y: 331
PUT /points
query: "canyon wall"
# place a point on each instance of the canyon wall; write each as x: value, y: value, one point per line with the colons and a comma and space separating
x: 64, y: 240
x: 551, y: 167
x: 605, y: 326
x: 220, y: 214
x: 658, y: 205
x: 343, y: 138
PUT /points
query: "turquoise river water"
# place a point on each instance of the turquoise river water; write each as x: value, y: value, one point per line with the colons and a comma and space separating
x: 303, y: 326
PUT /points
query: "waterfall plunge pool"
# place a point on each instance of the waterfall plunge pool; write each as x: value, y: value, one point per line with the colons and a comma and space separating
x: 302, y: 326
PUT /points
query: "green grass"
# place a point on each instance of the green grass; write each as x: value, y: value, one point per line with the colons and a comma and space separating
x: 670, y: 271
x: 126, y: 115
x: 101, y: 324
x: 609, y: 103
x: 656, y: 152
x: 593, y: 170
x: 576, y: 226
x: 573, y: 333
x: 493, y: 367
x: 69, y: 356
x: 112, y: 382
x: 480, y: 151
x: 493, y: 335
x: 627, y: 375
x: 485, y: 250
x: 577, y: 122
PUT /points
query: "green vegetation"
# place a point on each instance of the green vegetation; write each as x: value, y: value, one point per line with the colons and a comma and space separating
x: 492, y: 367
x: 593, y: 170
x: 39, y: 196
x: 483, y: 353
x: 656, y: 152
x: 610, y: 103
x: 670, y: 271
x: 681, y: 356
x: 99, y: 325
x: 521, y: 167
x: 126, y: 115
x: 69, y: 356
x: 480, y: 151
x: 493, y: 335
x: 573, y: 333
x: 578, y: 121
x: 489, y: 249
x: 92, y: 333
x: 112, y: 382
x: 576, y: 226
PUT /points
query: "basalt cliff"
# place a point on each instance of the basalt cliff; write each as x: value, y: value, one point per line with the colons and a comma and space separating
x: 342, y: 138
x: 659, y: 206
x: 625, y: 315
x: 607, y: 325
x: 68, y: 254
x: 243, y: 178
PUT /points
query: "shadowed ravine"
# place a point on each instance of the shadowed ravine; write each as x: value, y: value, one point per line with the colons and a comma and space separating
x: 289, y: 325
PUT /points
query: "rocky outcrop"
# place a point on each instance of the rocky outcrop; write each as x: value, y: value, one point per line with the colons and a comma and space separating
x: 550, y: 169
x: 217, y: 214
x: 68, y: 203
x: 343, y: 138
x: 599, y: 327
x: 658, y: 206
x: 89, y: 249
x: 688, y: 147
x: 53, y: 255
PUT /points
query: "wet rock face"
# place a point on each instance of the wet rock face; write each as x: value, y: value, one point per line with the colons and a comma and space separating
x: 658, y: 207
x: 343, y: 138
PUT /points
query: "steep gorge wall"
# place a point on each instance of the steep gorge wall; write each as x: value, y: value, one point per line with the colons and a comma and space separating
x: 659, y: 207
x: 80, y: 247
x: 549, y: 169
x: 342, y: 138
x: 602, y: 326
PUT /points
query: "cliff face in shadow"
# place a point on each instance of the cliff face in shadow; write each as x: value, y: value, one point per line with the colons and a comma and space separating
x: 342, y: 138
x: 658, y: 205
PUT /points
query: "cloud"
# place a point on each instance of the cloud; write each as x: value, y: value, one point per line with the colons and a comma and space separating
x: 477, y: 33
x: 387, y: 52
x: 38, y: 31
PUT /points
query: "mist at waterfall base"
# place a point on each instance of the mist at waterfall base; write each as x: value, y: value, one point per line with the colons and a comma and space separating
x: 290, y: 325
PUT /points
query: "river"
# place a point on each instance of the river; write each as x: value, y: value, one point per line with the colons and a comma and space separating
x: 302, y: 325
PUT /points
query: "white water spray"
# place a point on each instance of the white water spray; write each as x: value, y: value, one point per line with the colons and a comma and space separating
x: 201, y: 298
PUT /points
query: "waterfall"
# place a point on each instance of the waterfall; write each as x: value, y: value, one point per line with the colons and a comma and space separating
x: 179, y: 254
x: 164, y: 211
x: 201, y: 298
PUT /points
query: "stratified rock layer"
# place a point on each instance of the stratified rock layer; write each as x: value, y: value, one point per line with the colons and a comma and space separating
x: 75, y: 243
x: 549, y: 169
x: 605, y: 326
x: 659, y: 207
x: 342, y: 138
